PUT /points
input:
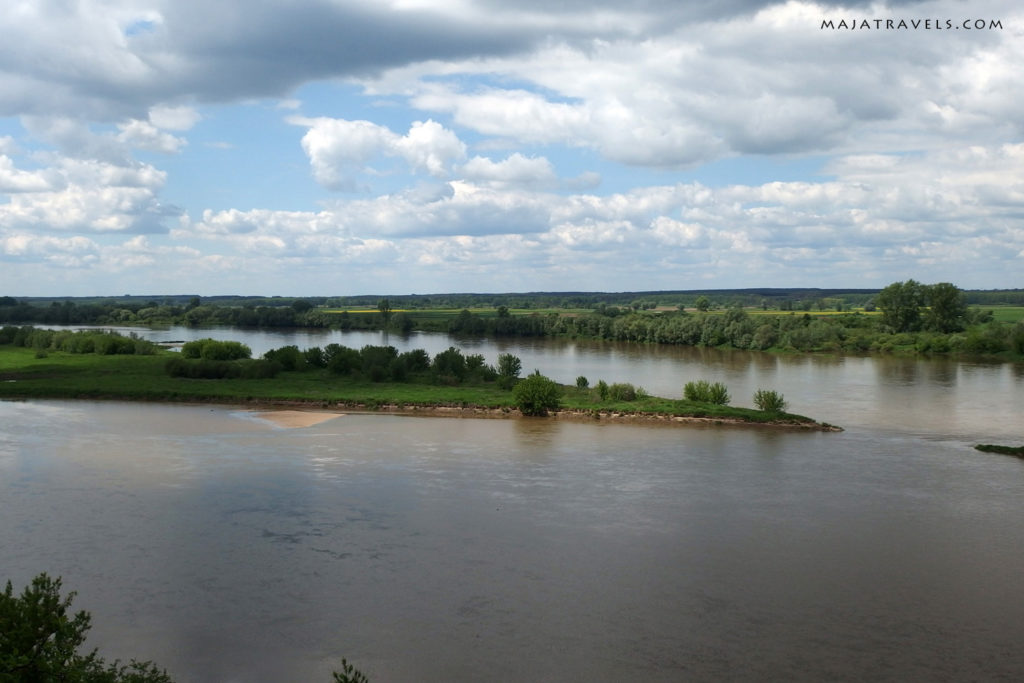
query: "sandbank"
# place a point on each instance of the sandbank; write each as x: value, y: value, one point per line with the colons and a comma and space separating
x: 295, y: 419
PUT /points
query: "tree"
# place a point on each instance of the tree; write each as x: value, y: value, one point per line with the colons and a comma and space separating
x: 537, y: 395
x: 349, y: 674
x: 900, y: 304
x: 39, y: 640
x: 703, y: 303
x: 384, y: 306
x: 509, y: 367
x: 946, y: 308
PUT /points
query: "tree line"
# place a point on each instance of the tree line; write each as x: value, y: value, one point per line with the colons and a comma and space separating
x: 914, y: 317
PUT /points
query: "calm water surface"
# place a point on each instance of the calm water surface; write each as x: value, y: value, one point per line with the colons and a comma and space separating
x: 428, y: 549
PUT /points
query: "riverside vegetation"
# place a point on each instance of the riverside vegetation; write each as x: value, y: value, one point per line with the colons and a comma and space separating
x: 904, y: 317
x: 40, y: 640
x: 39, y: 363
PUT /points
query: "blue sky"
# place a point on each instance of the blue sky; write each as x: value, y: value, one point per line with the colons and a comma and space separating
x: 414, y: 146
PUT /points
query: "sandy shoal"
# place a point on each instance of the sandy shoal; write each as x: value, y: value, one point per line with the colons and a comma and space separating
x: 293, y: 419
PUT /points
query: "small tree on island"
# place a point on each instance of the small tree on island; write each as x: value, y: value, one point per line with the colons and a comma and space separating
x: 769, y: 401
x: 509, y: 367
x: 537, y: 395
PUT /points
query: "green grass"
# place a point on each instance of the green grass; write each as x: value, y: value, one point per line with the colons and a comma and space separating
x: 1004, y: 314
x: 68, y: 376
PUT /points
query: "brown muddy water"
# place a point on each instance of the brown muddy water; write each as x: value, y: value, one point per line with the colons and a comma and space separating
x: 228, y: 548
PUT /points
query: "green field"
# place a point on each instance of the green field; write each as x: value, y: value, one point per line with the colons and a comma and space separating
x: 1004, y: 314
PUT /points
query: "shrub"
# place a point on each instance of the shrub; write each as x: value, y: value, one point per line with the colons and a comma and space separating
x: 582, y: 383
x: 703, y: 391
x: 211, y: 349
x: 769, y: 401
x: 450, y: 366
x: 602, y: 390
x: 537, y: 395
x: 416, y: 360
x: 622, y: 392
x: 289, y: 357
x: 342, y: 360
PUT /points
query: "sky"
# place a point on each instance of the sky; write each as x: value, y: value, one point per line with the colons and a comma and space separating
x: 341, y: 147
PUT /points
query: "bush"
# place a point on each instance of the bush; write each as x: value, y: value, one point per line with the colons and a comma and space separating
x: 622, y: 392
x: 537, y: 395
x: 582, y: 383
x: 769, y: 401
x: 289, y: 357
x: 602, y: 390
x: 450, y: 366
x: 211, y: 349
x: 40, y: 636
x: 703, y: 391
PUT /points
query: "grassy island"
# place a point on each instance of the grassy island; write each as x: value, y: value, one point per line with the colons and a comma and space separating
x: 1002, y: 450
x: 68, y: 365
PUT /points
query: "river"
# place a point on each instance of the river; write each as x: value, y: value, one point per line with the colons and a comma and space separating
x: 428, y: 549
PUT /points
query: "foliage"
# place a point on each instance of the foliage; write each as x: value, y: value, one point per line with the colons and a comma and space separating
x: 39, y: 639
x: 213, y: 349
x: 349, y: 674
x: 769, y: 401
x: 622, y: 391
x: 289, y: 357
x: 946, y: 308
x: 384, y: 306
x: 81, y: 342
x: 450, y: 366
x: 222, y: 369
x: 1002, y: 450
x: 602, y: 390
x: 901, y: 304
x: 537, y: 395
x: 582, y: 383
x: 509, y: 366
x: 703, y: 391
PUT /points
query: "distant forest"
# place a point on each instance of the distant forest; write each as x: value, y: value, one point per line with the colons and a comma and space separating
x: 905, y: 317
x: 775, y: 297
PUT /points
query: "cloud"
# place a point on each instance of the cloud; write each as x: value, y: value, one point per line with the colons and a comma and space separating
x: 714, y: 86
x: 338, y: 148
x: 15, y: 180
x: 880, y: 219
x: 515, y: 171
x: 173, y: 118
x: 85, y: 196
x: 144, y: 135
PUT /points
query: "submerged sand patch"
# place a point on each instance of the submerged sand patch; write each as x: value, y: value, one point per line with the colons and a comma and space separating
x: 296, y: 419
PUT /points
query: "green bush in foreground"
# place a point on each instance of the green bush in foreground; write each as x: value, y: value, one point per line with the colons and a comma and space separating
x: 537, y: 395
x: 39, y: 640
x: 769, y: 401
x: 703, y: 391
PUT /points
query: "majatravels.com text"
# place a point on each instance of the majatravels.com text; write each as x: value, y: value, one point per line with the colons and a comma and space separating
x: 911, y: 24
